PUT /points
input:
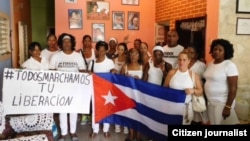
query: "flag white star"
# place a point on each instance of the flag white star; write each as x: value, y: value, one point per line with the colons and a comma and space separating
x: 109, y: 98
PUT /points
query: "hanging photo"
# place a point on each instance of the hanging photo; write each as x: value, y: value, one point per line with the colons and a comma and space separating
x: 75, y: 18
x: 130, y: 2
x: 118, y: 20
x: 133, y: 20
x: 98, y: 32
x: 97, y: 10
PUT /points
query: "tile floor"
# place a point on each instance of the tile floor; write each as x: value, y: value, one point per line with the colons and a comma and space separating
x: 83, y: 132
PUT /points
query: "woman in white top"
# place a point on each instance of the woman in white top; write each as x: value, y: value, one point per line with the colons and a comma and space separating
x: 156, y: 69
x: 88, y: 54
x: 67, y: 60
x: 51, y: 48
x: 88, y: 51
x: 181, y: 79
x: 198, y: 67
x: 102, y: 64
x: 146, y: 56
x: 120, y: 60
x: 133, y: 68
x: 221, y: 83
x: 35, y: 61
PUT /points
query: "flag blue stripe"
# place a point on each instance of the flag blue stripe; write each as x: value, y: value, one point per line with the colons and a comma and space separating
x: 127, y: 122
x: 159, y: 116
x: 144, y: 109
x: 146, y: 88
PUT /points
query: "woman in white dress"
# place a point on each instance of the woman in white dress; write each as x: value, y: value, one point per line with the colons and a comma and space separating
x: 181, y: 79
x: 119, y: 61
x: 221, y: 83
x: 88, y: 54
x: 198, y: 67
x: 133, y: 68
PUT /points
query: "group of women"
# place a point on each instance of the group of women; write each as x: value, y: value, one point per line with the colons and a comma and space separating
x: 216, y: 80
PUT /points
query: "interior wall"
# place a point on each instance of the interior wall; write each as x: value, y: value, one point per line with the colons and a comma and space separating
x: 145, y: 33
x: 20, y: 12
x: 5, y: 60
x: 169, y: 11
x: 42, y: 18
x: 227, y: 30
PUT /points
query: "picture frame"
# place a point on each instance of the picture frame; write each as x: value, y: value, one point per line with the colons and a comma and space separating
x: 70, y: 1
x: 118, y: 18
x: 98, y: 32
x: 98, y: 10
x: 130, y: 2
x: 159, y: 33
x: 243, y: 6
x: 243, y: 26
x: 133, y: 20
x: 75, y: 19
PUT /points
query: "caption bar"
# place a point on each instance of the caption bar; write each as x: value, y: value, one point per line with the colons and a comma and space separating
x: 206, y: 132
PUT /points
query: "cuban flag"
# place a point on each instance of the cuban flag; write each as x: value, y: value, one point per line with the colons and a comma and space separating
x: 145, y: 107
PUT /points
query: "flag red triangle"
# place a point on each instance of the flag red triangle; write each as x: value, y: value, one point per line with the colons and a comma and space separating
x: 104, y: 88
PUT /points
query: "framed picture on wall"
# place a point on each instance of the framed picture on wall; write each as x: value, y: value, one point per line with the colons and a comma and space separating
x: 130, y: 2
x: 159, y: 33
x: 242, y: 6
x: 98, y: 32
x: 243, y: 26
x: 70, y: 1
x: 75, y: 18
x: 133, y: 20
x: 118, y: 20
x: 98, y: 10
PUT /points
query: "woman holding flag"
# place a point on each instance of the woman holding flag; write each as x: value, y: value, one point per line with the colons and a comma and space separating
x: 181, y: 79
x: 133, y: 68
x: 102, y: 64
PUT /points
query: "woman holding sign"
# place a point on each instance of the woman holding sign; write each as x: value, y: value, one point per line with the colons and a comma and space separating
x: 70, y: 61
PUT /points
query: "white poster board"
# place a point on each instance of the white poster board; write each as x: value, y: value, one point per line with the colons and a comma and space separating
x: 29, y: 91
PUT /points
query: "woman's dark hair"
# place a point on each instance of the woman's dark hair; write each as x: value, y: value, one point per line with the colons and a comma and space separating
x: 137, y: 39
x: 72, y: 40
x: 124, y: 46
x: 86, y: 36
x: 51, y: 34
x: 128, y: 60
x: 228, y: 48
x: 101, y: 43
x: 196, y: 49
x: 33, y: 45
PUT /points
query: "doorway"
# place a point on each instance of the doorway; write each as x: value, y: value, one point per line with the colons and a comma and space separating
x: 192, y: 32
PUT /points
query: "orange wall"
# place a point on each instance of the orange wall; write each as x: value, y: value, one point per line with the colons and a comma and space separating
x: 212, y: 25
x: 147, y: 20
